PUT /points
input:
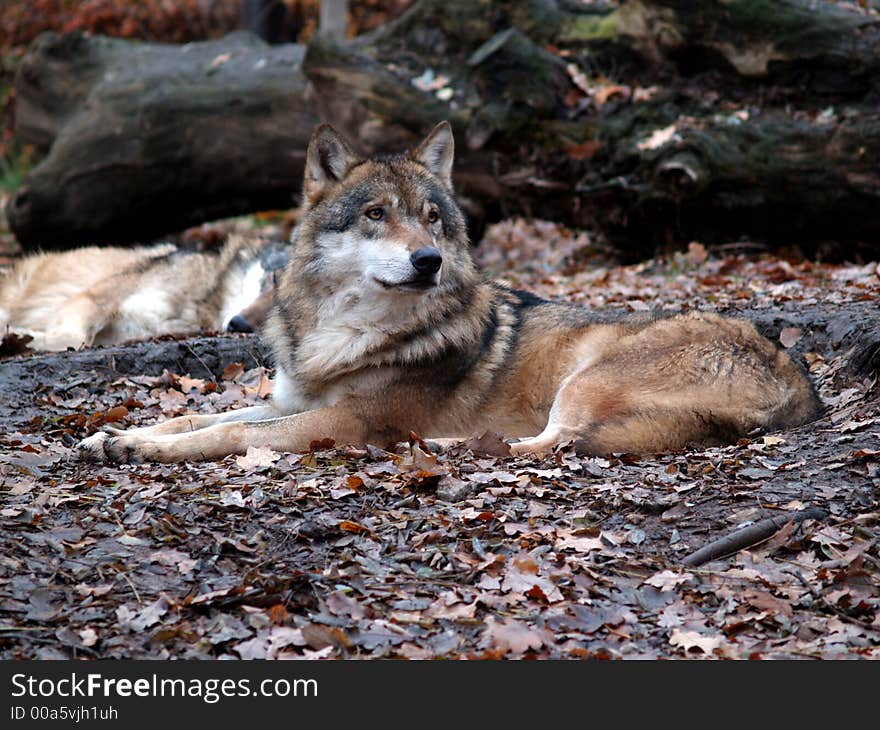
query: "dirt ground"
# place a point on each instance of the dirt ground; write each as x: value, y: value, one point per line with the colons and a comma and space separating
x: 362, y: 553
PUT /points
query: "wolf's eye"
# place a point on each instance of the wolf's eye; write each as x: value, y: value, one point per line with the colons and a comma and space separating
x: 433, y: 216
x: 375, y: 214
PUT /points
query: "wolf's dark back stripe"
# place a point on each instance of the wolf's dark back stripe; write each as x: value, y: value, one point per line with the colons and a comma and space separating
x: 452, y: 365
x: 449, y: 368
x: 510, y: 341
x: 142, y: 267
x: 568, y: 314
x: 526, y: 299
x: 496, y: 344
x: 490, y: 331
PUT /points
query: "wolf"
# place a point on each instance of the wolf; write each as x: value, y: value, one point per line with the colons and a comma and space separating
x: 103, y: 296
x: 382, y: 326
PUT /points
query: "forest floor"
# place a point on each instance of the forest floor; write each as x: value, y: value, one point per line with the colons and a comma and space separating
x: 362, y: 553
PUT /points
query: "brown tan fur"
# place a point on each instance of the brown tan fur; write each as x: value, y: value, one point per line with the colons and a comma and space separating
x: 369, y: 347
x: 103, y: 296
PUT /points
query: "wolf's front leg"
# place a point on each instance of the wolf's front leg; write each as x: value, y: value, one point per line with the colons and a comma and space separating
x: 285, y: 433
x: 94, y: 446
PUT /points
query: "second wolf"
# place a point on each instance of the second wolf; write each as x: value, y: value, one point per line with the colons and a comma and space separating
x: 382, y: 325
x: 104, y: 296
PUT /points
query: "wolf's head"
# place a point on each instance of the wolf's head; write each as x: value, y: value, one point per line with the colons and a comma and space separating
x: 389, y: 226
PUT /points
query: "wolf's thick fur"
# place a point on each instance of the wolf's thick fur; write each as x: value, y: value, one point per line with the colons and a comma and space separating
x: 103, y: 296
x: 373, y: 340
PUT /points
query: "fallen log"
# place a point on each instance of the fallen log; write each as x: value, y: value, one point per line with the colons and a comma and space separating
x: 149, y: 138
x: 202, y: 357
x: 717, y: 125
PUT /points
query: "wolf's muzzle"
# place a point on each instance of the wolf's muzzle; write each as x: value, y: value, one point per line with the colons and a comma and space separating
x: 426, y: 260
x: 239, y: 324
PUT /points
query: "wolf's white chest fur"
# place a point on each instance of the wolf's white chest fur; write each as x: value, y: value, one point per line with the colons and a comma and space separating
x: 350, y: 324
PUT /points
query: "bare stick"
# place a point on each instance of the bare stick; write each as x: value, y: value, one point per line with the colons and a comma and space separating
x: 748, y: 536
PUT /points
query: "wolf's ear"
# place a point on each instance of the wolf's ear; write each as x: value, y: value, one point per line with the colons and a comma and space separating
x: 437, y: 151
x: 328, y: 160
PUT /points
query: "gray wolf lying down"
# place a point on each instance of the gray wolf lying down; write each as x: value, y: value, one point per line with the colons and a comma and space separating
x: 381, y: 326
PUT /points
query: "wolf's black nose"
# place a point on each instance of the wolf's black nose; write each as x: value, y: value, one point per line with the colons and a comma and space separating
x: 426, y: 260
x: 239, y: 324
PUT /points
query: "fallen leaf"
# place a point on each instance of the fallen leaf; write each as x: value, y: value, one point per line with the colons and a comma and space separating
x: 150, y: 615
x: 232, y: 497
x: 278, y: 614
x: 513, y: 637
x: 764, y: 601
x: 99, y: 590
x: 21, y: 488
x: 522, y: 576
x: 772, y: 440
x: 455, y: 612
x: 233, y: 371
x: 696, y: 253
x: 43, y: 607
x: 790, y: 336
x: 666, y: 580
x: 207, y: 598
x: 688, y: 640
x: 115, y: 414
x: 609, y: 91
x: 88, y: 636
x: 187, y: 384
x: 257, y: 457
x: 491, y: 443
x: 584, y: 150
x: 174, y: 558
x: 357, y: 529
x: 319, y: 636
x: 567, y: 539
x: 14, y: 344
x: 341, y: 604
x: 658, y: 138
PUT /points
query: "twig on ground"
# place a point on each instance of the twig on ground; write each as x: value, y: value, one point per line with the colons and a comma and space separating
x: 748, y: 536
x: 203, y: 363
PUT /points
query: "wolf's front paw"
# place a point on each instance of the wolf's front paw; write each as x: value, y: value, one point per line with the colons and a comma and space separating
x: 92, y: 447
x: 109, y: 445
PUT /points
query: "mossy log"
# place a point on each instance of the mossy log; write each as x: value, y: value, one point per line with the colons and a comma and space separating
x: 820, y: 49
x: 669, y: 156
x: 660, y: 121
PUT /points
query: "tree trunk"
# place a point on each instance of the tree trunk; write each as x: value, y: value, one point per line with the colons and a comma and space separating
x: 661, y: 121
